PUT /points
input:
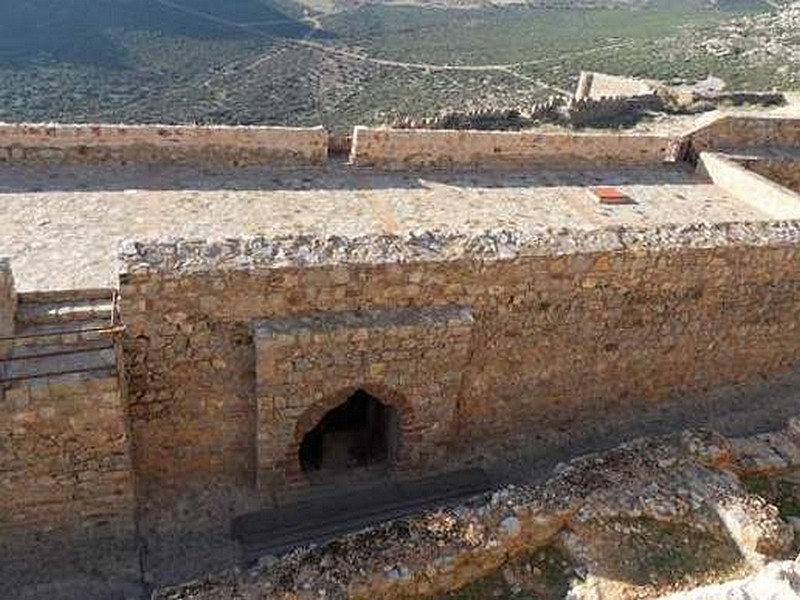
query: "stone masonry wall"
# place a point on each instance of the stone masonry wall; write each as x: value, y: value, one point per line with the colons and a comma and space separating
x: 160, y: 145
x: 746, y: 131
x: 786, y: 172
x: 66, y: 487
x: 412, y: 359
x: 765, y: 195
x: 566, y: 325
x: 401, y: 149
x: 8, y: 301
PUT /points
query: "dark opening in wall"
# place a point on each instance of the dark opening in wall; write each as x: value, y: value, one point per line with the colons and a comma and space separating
x: 362, y: 432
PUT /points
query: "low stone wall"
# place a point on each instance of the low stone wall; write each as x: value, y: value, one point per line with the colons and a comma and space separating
x: 786, y: 172
x: 160, y: 145
x: 745, y: 131
x: 401, y: 149
x: 66, y: 488
x: 763, y: 194
x: 8, y: 301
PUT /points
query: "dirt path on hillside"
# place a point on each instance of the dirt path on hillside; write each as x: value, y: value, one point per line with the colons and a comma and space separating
x: 305, y: 41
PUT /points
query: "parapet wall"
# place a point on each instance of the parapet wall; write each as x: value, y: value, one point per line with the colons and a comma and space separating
x: 160, y: 145
x: 750, y: 187
x: 8, y: 301
x: 401, y: 149
x: 745, y: 131
x: 783, y: 171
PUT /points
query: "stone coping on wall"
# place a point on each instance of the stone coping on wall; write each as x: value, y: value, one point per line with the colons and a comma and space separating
x: 177, y: 258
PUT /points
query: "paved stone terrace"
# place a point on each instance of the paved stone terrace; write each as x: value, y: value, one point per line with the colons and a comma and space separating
x: 62, y: 226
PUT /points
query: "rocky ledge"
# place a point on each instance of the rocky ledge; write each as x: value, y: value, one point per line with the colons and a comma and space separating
x: 650, y: 517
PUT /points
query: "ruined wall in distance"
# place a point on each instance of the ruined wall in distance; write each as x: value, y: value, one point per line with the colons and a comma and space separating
x: 401, y: 149
x: 602, y: 85
x: 160, y: 145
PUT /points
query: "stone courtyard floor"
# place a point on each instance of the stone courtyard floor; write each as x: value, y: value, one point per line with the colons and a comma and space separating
x: 62, y: 226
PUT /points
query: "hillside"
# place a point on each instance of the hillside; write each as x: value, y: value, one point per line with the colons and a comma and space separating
x: 339, y: 62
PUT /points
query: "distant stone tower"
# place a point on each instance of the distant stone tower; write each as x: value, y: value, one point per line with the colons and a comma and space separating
x: 584, y: 85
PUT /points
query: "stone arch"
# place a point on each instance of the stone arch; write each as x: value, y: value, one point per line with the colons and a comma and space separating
x: 314, y: 415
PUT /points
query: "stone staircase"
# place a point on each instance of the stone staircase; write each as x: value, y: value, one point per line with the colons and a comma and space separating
x: 61, y: 337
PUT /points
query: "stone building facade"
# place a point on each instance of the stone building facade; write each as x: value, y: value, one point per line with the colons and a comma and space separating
x: 237, y: 371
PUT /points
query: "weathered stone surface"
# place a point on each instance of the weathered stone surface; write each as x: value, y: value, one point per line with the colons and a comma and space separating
x: 8, y: 304
x: 658, y: 491
x: 412, y: 359
x: 776, y: 581
x: 58, y: 144
x: 405, y: 149
x: 737, y: 131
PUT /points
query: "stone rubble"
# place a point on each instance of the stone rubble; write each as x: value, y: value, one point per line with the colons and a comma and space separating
x: 174, y: 258
x: 690, y: 480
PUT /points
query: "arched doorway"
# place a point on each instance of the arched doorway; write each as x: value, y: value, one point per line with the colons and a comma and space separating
x: 359, y: 435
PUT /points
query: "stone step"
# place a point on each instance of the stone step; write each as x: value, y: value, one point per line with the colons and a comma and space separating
x: 63, y: 311
x: 75, y: 361
x: 357, y: 480
x: 59, y: 334
x: 24, y: 391
x: 21, y: 351
x: 84, y: 294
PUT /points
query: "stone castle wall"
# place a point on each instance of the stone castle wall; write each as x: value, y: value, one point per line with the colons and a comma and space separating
x: 745, y: 131
x: 784, y: 171
x: 746, y: 184
x: 66, y: 487
x: 407, y: 149
x: 8, y: 301
x: 160, y: 145
x: 561, y: 327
